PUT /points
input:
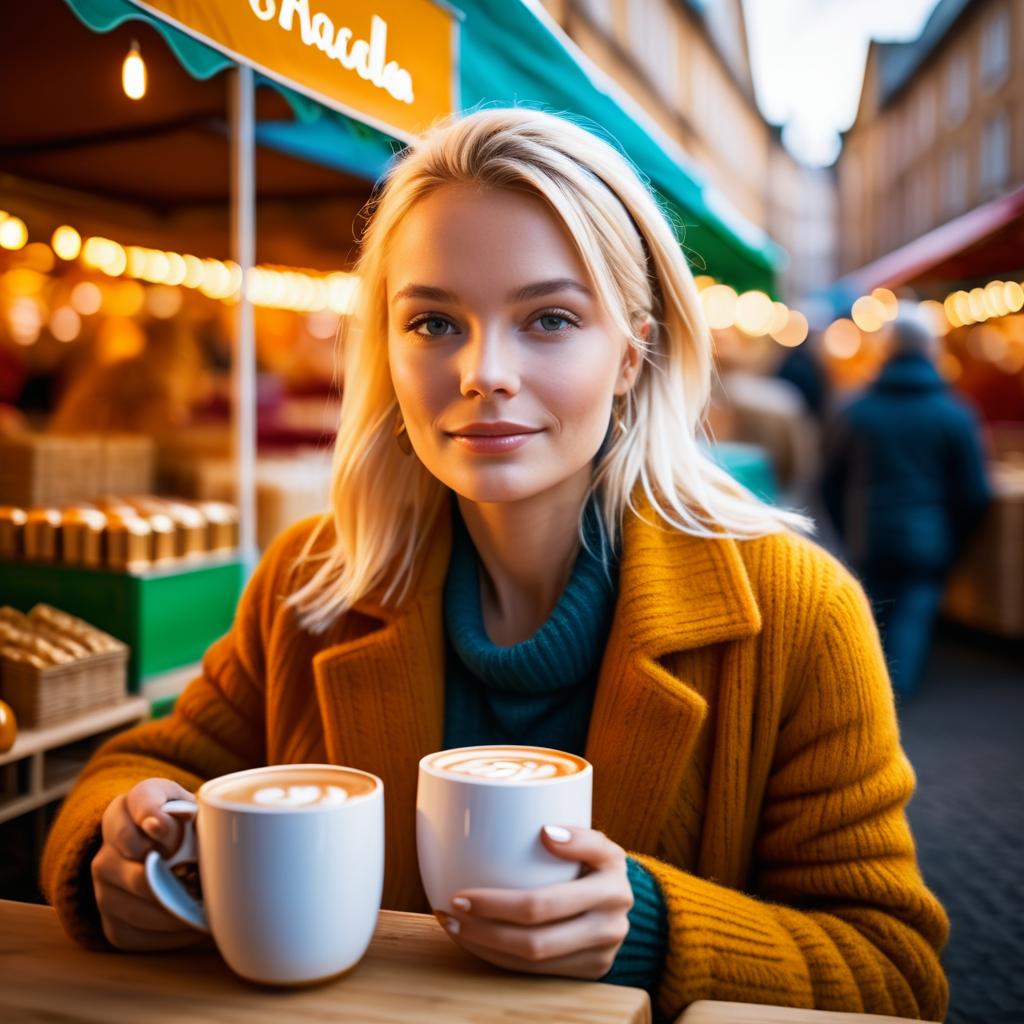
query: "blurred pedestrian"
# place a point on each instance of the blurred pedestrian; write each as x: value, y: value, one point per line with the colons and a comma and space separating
x: 802, y: 367
x: 905, y: 483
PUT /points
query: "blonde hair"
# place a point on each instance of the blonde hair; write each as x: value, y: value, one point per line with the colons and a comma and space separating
x: 384, y: 502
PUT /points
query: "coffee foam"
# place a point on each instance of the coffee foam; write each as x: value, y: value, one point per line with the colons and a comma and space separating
x: 294, y: 789
x: 507, y: 764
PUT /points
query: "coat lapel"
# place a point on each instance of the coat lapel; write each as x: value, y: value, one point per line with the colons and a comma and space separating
x: 676, y: 592
x: 381, y: 700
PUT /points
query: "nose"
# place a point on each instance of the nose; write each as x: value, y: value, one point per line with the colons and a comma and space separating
x: 489, y: 363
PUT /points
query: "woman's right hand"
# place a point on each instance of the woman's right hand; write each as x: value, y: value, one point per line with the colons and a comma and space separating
x: 134, y: 824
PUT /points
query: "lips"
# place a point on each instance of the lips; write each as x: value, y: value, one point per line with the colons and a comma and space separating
x: 497, y: 429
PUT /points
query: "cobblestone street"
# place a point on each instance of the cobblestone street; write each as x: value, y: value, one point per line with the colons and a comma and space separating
x: 964, y: 733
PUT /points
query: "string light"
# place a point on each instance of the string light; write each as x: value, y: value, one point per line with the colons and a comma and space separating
x: 13, y: 233
x: 66, y: 242
x: 133, y: 74
x: 842, y: 339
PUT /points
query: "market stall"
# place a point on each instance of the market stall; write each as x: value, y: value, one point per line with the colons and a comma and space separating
x: 180, y: 206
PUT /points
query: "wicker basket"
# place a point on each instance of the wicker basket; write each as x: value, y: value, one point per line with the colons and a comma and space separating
x: 42, y: 696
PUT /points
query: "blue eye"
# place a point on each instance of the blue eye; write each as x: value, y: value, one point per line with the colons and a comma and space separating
x: 436, y: 326
x: 550, y: 322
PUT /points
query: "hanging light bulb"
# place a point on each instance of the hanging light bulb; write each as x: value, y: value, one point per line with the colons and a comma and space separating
x: 133, y: 74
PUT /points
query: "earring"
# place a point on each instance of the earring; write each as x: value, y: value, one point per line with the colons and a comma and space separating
x: 401, y: 436
x: 618, y: 423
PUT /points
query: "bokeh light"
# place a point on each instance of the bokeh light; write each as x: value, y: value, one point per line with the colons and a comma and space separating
x: 719, y: 303
x: 842, y: 339
x: 66, y: 242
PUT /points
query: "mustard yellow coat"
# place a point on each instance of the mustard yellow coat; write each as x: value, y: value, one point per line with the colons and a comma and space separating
x: 743, y: 737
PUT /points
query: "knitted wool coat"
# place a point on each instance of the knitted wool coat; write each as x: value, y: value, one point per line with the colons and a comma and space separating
x: 743, y: 738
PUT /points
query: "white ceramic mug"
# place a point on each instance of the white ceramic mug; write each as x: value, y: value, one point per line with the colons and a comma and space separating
x: 483, y: 829
x: 291, y: 888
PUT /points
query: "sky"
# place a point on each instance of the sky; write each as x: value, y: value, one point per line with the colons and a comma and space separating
x: 808, y: 60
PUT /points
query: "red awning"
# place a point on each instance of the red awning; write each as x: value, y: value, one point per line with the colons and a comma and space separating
x: 987, y: 242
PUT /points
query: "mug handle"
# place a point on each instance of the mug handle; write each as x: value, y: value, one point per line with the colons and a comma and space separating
x: 164, y: 884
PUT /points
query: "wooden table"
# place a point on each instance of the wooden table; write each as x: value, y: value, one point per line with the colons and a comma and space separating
x: 412, y: 972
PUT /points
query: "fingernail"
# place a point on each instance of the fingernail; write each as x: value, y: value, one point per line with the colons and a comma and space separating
x: 452, y: 924
x: 152, y: 827
x: 557, y: 834
x: 461, y: 903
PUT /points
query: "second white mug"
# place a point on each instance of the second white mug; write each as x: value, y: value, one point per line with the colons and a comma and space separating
x: 479, y: 815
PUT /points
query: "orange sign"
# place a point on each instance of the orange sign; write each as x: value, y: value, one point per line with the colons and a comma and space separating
x: 390, y: 63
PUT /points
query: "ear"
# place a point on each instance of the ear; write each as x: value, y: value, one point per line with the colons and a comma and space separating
x: 632, y: 360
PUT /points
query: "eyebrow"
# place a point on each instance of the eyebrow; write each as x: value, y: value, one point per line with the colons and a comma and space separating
x: 529, y: 291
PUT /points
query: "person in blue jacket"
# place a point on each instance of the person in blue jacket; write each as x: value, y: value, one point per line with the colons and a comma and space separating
x: 905, y: 483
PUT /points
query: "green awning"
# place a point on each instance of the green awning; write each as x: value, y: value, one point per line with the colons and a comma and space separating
x: 538, y: 71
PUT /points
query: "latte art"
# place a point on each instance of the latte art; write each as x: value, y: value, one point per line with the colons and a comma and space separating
x: 295, y: 788
x: 299, y: 796
x: 503, y: 768
x: 507, y: 764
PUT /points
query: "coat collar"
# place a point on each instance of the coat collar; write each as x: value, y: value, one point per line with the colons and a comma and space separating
x: 381, y: 694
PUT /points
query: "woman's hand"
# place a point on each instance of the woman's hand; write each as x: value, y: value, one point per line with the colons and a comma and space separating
x: 573, y: 929
x: 134, y: 824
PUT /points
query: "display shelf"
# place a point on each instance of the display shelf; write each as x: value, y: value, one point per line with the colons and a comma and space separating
x: 168, y: 616
x: 43, y: 763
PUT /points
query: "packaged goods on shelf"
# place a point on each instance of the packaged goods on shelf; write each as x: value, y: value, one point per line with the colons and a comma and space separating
x: 54, y: 470
x: 120, y: 534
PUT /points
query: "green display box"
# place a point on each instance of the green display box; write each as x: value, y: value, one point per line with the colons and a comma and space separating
x: 167, y: 616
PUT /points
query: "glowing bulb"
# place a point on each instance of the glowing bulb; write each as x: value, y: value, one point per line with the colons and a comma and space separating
x: 66, y: 242
x: 754, y: 313
x: 995, y: 300
x: 13, y: 233
x: 794, y: 332
x: 868, y: 314
x: 888, y: 301
x: 133, y: 74
x: 1013, y: 296
x: 842, y: 339
x: 719, y: 302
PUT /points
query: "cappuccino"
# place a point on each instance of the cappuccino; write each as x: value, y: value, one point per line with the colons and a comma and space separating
x: 294, y: 788
x: 506, y: 764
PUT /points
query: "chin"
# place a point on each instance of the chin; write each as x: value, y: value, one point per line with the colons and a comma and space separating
x: 496, y: 484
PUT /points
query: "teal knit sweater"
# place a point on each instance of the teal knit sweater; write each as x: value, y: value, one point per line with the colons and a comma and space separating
x: 541, y: 692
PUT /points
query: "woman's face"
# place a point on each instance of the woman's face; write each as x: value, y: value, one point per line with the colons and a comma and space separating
x: 494, y: 329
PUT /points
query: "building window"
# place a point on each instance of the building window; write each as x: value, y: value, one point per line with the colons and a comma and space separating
x: 995, y: 48
x: 958, y: 89
x: 995, y: 152
x: 601, y: 14
x: 652, y: 44
x: 956, y: 180
x: 920, y: 205
x: 925, y: 119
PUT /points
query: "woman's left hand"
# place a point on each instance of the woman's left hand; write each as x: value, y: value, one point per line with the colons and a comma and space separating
x: 573, y: 929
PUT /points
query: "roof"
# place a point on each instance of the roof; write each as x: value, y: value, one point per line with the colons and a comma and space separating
x: 898, y: 62
x: 985, y: 242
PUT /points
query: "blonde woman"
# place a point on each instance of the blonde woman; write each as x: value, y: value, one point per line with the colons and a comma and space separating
x: 527, y: 544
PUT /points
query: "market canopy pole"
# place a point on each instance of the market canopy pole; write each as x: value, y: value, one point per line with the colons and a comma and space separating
x: 243, y: 244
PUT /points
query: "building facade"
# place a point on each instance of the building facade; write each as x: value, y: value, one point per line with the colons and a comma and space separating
x: 686, y: 62
x: 939, y: 131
